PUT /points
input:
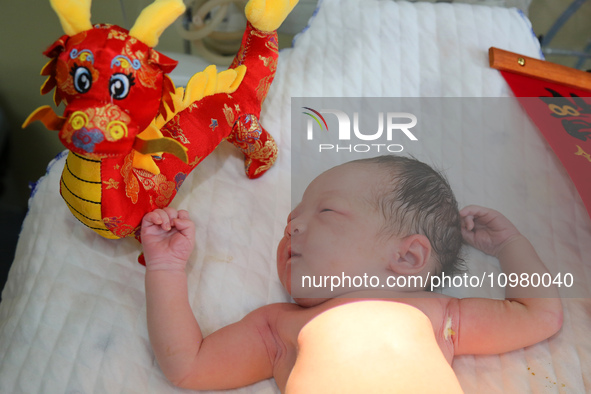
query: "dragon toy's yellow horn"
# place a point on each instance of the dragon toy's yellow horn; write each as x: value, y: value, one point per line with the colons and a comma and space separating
x: 74, y: 15
x: 154, y: 19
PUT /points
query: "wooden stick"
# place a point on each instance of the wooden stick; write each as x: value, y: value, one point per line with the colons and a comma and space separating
x: 552, y: 72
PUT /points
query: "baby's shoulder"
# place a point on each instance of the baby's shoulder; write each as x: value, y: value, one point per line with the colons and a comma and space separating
x: 275, y: 310
x: 276, y: 317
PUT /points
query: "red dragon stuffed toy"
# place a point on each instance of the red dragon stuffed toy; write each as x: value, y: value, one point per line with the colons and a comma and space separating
x: 133, y: 138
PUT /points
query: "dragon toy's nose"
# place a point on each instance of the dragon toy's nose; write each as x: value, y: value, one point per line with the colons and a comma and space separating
x: 116, y: 129
x: 98, y: 130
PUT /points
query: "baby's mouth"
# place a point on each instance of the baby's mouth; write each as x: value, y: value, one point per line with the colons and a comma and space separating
x: 293, y: 254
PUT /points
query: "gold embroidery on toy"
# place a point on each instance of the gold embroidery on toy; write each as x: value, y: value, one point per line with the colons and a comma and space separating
x: 229, y: 114
x: 269, y: 62
x: 111, y: 184
x: 263, y: 88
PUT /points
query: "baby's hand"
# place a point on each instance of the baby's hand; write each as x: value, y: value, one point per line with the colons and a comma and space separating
x: 168, y: 238
x: 486, y: 229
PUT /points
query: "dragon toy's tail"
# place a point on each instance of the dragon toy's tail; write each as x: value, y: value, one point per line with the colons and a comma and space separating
x: 259, y: 53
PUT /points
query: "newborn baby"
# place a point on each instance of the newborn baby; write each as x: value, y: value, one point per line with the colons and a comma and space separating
x: 388, y: 217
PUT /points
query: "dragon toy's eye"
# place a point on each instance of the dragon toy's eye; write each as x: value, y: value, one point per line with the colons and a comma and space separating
x: 82, y: 79
x: 119, y: 85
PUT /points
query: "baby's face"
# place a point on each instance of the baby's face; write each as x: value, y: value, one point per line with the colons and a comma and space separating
x: 335, y: 230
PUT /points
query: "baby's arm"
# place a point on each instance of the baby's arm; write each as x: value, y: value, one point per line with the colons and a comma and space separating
x: 528, y: 314
x: 233, y: 356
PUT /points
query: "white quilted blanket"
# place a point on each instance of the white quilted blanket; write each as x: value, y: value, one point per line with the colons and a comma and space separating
x: 73, y: 316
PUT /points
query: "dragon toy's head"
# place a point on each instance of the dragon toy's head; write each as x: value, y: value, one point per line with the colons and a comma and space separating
x: 111, y: 80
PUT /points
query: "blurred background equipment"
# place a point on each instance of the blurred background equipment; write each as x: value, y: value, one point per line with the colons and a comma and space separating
x: 581, y: 56
x: 214, y: 28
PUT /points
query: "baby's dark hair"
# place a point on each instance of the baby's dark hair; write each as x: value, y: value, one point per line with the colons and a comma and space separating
x: 419, y: 200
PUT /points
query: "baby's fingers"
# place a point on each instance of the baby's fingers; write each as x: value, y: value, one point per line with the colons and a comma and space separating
x: 468, y: 236
x: 468, y: 223
x: 183, y: 214
x: 473, y: 210
x: 481, y: 216
x: 157, y: 217
x: 185, y: 227
x: 151, y: 218
x: 184, y: 224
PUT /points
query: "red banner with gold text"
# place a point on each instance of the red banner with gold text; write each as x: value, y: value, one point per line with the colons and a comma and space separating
x: 563, y: 116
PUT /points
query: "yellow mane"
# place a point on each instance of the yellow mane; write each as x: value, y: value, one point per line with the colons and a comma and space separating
x: 205, y: 83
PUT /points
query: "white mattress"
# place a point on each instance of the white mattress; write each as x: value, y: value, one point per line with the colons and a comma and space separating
x: 73, y: 317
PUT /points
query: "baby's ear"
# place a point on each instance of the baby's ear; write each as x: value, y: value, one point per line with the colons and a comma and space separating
x: 412, y: 255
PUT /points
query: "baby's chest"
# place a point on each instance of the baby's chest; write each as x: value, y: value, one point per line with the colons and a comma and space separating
x: 293, y: 322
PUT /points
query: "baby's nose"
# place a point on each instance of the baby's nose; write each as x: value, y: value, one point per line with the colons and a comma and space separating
x: 293, y: 228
